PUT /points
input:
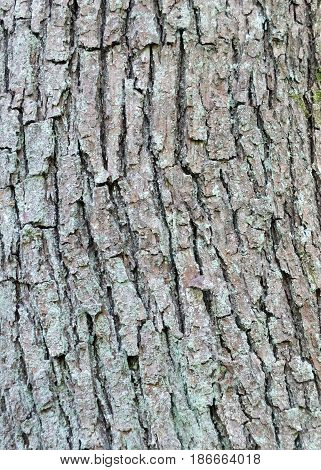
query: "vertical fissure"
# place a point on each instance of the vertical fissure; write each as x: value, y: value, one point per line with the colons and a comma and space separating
x: 157, y: 181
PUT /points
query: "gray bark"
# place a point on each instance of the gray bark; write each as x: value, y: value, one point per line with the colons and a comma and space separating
x: 160, y: 216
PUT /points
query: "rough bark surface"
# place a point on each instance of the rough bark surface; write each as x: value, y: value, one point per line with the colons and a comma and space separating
x: 160, y: 215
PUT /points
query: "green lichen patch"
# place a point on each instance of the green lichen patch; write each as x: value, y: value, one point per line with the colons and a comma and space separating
x: 299, y: 100
x: 317, y: 96
x: 318, y: 76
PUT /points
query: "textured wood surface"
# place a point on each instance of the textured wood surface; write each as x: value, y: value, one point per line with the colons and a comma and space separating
x: 160, y: 215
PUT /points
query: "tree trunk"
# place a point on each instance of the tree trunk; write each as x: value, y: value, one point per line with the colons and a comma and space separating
x: 160, y: 215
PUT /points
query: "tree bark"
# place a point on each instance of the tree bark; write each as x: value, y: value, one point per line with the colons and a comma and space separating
x: 160, y: 214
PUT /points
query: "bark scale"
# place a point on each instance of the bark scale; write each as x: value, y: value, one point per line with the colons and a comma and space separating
x: 160, y: 216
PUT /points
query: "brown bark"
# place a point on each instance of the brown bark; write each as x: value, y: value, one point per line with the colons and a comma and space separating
x: 160, y: 219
